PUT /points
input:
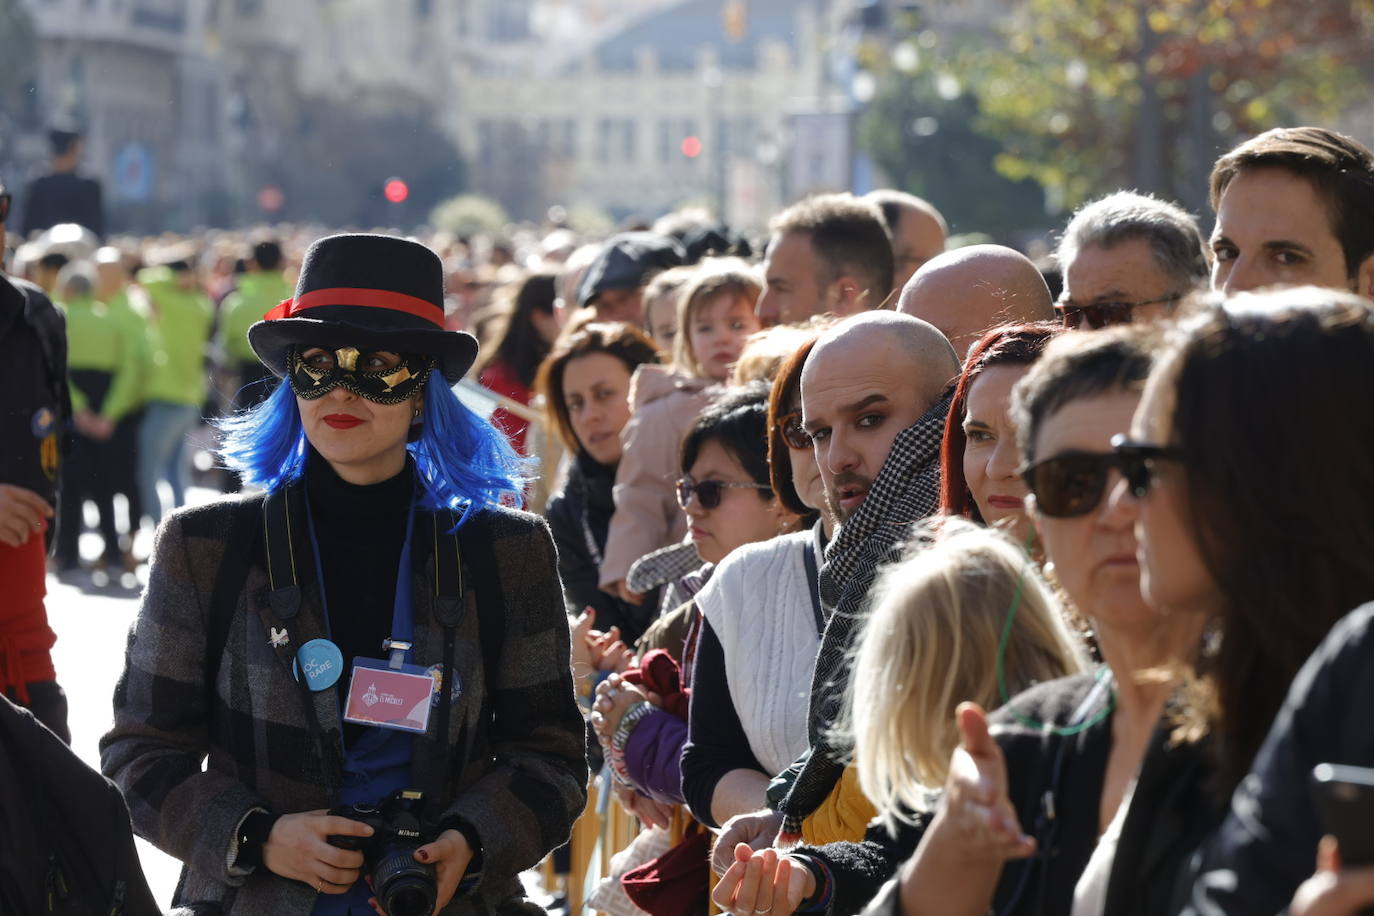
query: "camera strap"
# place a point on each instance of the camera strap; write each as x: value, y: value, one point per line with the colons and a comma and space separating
x: 284, y: 601
x: 448, y: 610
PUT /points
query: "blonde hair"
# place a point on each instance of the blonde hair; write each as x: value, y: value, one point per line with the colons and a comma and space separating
x: 715, y: 277
x: 932, y: 642
x: 765, y: 351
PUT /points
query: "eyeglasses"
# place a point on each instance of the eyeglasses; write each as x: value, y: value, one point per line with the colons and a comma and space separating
x: 789, y: 424
x: 5, y: 200
x: 1071, y: 484
x: 709, y: 492
x: 1101, y: 314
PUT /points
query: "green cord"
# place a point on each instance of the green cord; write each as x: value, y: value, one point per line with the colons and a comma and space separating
x: 1061, y: 731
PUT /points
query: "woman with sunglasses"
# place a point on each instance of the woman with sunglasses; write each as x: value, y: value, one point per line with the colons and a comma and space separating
x: 1255, y: 510
x: 759, y: 634
x: 372, y: 630
x: 729, y: 502
x: 979, y: 460
x: 1086, y: 802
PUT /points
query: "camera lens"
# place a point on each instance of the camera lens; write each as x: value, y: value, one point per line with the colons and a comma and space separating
x: 405, y: 887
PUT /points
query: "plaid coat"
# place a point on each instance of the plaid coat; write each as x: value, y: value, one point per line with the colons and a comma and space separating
x: 518, y: 774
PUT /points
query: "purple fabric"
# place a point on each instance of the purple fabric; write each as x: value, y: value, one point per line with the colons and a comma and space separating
x: 653, y: 756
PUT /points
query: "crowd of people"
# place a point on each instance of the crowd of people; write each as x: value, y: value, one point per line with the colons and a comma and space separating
x: 896, y: 579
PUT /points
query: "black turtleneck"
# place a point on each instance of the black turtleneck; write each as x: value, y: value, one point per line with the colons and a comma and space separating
x: 360, y: 529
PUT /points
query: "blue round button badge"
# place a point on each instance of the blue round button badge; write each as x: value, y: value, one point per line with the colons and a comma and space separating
x: 322, y: 663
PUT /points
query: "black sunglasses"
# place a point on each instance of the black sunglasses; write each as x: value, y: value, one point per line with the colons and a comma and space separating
x: 1102, y: 314
x: 1072, y: 483
x: 5, y: 199
x: 709, y: 492
x: 789, y: 424
x: 1138, y: 460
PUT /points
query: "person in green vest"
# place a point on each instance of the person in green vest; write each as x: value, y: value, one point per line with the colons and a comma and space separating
x: 112, y: 288
x: 258, y: 290
x: 181, y: 317
x: 102, y: 376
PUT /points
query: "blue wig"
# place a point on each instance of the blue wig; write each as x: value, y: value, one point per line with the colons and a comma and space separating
x: 462, y: 459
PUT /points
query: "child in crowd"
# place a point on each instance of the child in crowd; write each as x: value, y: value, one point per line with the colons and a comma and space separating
x: 715, y: 316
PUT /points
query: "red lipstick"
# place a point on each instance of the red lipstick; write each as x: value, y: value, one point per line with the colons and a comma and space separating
x: 342, y: 420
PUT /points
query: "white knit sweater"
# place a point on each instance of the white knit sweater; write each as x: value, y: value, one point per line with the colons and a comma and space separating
x: 758, y: 602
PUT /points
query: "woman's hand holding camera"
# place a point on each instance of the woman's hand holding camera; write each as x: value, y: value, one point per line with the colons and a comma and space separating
x: 450, y: 855
x: 298, y: 848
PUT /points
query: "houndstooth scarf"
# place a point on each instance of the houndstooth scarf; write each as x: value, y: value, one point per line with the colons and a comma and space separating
x: 906, y: 490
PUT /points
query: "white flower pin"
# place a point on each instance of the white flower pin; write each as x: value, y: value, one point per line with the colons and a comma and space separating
x: 279, y: 637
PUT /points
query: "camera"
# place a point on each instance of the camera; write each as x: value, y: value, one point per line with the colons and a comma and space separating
x: 403, y: 886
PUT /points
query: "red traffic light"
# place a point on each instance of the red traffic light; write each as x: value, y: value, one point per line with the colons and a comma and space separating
x: 396, y: 190
x: 691, y: 147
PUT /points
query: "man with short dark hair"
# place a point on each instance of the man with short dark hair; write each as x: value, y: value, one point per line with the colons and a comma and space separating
x: 1128, y: 257
x: 34, y: 412
x: 917, y: 228
x: 1294, y: 205
x: 63, y: 196
x: 828, y: 253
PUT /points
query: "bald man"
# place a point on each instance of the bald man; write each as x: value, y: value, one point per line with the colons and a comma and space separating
x: 967, y: 291
x: 867, y: 379
x: 917, y: 228
x: 875, y: 392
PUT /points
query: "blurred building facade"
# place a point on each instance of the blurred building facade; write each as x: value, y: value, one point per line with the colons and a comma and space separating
x: 198, y: 112
x: 653, y: 106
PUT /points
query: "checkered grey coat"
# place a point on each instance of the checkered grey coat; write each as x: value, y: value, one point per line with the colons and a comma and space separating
x: 518, y: 771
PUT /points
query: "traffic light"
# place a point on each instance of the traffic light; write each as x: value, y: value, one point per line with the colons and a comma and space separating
x: 396, y: 190
x: 691, y: 146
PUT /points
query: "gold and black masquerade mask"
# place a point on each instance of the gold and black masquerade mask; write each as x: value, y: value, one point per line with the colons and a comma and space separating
x: 381, y: 376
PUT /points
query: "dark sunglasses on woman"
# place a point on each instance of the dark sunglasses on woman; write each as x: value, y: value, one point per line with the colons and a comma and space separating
x: 708, y: 492
x: 1102, y: 314
x: 1072, y: 483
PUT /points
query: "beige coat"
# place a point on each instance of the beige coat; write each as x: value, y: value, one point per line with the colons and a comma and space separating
x: 647, y: 515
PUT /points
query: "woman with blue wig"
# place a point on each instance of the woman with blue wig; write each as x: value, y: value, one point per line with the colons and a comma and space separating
x: 372, y: 652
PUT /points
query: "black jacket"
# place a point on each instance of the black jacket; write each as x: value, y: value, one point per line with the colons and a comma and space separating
x: 1056, y: 786
x: 63, y: 197
x: 33, y: 375
x: 1268, y: 843
x: 579, y: 515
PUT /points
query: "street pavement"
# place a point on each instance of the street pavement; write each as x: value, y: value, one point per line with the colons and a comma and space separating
x: 92, y: 625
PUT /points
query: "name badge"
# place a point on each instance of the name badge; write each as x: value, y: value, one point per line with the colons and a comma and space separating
x: 389, y: 697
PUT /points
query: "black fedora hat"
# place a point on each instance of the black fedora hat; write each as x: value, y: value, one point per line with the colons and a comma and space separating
x: 378, y: 290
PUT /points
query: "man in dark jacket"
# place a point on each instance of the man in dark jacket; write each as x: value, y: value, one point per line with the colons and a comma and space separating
x: 63, y: 196
x: 34, y: 412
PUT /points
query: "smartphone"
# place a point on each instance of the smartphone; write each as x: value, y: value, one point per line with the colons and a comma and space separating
x: 1345, y: 803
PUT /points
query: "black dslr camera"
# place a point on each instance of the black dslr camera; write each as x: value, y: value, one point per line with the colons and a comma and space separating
x: 403, y: 886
